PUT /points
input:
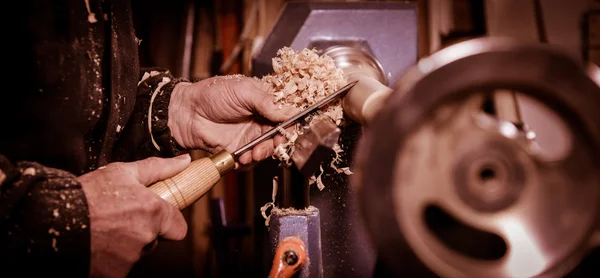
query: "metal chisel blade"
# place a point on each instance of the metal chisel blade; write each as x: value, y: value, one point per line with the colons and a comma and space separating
x: 299, y: 116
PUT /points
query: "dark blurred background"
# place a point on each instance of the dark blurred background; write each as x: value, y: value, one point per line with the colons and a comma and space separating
x: 199, y: 39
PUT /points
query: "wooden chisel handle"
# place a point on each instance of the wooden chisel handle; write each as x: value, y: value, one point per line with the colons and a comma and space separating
x: 194, y: 181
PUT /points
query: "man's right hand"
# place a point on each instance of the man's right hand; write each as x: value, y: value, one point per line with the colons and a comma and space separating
x: 125, y: 216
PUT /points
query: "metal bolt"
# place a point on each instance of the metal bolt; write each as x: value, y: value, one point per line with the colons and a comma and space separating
x: 290, y: 257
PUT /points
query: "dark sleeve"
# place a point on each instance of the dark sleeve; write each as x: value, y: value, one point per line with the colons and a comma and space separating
x: 44, y: 222
x: 138, y: 140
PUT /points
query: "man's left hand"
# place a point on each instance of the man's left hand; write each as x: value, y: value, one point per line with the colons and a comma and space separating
x: 225, y: 113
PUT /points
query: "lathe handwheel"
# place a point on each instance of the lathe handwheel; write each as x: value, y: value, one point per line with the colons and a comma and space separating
x: 430, y: 153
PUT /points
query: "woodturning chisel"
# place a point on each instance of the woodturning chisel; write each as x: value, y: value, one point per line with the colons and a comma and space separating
x: 201, y: 175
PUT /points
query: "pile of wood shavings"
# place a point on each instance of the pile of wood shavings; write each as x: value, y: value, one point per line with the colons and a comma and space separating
x: 301, y: 79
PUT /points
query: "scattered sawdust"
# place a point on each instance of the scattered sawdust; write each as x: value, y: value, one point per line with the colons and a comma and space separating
x: 292, y: 211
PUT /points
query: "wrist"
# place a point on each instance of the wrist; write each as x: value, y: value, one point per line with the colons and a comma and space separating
x: 159, y: 89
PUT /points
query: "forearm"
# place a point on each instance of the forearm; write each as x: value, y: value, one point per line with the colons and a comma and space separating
x: 44, y: 221
x: 147, y: 133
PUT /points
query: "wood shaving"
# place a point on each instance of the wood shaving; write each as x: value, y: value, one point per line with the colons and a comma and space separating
x: 317, y: 179
x: 301, y: 79
x: 54, y: 244
x: 148, y: 75
x: 263, y: 209
x: 91, y: 15
x: 29, y: 172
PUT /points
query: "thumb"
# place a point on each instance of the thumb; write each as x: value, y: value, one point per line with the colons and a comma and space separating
x: 153, y: 169
x: 172, y: 224
x: 267, y: 108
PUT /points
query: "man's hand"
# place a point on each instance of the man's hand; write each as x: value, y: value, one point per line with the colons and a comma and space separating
x: 225, y: 113
x: 125, y: 216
